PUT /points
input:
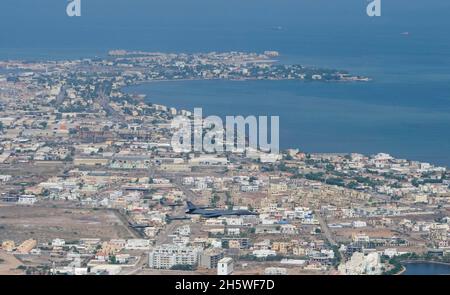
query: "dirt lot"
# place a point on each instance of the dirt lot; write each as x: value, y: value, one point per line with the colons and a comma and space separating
x: 44, y: 224
x: 345, y: 234
x: 251, y: 269
x: 9, y: 264
x: 26, y: 170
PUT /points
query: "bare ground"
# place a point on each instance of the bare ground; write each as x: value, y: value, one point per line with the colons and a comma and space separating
x: 19, y: 223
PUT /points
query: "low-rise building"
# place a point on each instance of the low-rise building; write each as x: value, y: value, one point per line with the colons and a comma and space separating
x: 26, y: 246
x: 8, y: 245
x: 225, y: 266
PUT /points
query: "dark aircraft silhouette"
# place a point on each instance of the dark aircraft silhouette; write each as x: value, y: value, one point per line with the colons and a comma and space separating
x: 137, y: 226
x: 213, y: 213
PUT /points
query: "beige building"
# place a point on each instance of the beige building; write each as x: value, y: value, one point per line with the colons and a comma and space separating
x: 8, y: 245
x: 26, y: 246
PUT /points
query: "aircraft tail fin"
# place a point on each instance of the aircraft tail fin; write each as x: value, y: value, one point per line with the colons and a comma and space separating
x: 191, y: 206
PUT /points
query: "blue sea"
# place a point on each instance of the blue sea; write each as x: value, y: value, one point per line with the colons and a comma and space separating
x: 404, y: 111
x: 422, y: 268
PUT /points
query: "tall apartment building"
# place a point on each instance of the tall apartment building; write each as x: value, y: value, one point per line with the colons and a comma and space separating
x: 210, y: 258
x: 167, y: 256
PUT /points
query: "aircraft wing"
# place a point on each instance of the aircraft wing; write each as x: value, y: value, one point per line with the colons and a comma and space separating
x: 212, y: 215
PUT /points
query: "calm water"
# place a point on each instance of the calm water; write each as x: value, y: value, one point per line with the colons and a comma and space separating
x: 324, y: 118
x: 427, y: 269
x: 405, y: 111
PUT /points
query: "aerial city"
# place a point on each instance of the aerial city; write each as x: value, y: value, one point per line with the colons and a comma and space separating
x: 91, y: 182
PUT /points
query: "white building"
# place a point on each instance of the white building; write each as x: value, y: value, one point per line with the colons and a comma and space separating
x: 58, y: 243
x: 5, y: 178
x: 275, y: 271
x: 184, y: 230
x: 109, y: 269
x: 167, y: 256
x: 390, y: 252
x: 225, y: 266
x: 359, y: 224
x: 249, y: 188
x: 234, y: 221
x: 137, y: 244
x: 264, y: 253
x: 206, y: 160
x: 151, y: 231
x: 67, y: 270
x: 360, y: 264
x: 234, y: 231
x: 26, y: 200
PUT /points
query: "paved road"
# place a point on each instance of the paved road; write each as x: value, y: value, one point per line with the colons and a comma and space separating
x: 325, y: 229
x: 103, y: 100
x: 329, y: 236
x: 163, y: 236
x: 61, y: 96
x: 140, y: 265
x: 176, y: 181
x: 133, y: 231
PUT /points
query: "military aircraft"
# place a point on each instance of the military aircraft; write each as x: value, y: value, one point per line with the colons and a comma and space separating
x: 213, y: 213
x: 137, y: 226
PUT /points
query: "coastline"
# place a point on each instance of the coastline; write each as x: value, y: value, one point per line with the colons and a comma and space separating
x: 405, y: 263
x: 148, y: 97
x: 242, y: 80
x: 424, y: 261
x: 403, y: 270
